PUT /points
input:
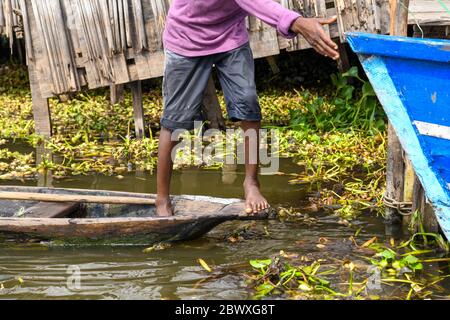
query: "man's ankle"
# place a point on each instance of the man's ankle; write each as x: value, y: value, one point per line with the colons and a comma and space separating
x: 162, y: 198
x: 250, y: 180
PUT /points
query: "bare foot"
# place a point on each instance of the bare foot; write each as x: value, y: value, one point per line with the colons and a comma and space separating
x: 163, y: 207
x: 254, y: 200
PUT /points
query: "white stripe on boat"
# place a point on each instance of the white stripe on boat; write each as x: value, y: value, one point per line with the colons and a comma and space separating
x: 432, y: 130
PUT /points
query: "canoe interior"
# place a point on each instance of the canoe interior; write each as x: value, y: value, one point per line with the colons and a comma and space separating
x: 113, y: 224
x: 183, y: 205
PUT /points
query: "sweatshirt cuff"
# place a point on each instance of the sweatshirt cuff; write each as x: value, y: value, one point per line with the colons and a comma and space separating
x: 284, y: 25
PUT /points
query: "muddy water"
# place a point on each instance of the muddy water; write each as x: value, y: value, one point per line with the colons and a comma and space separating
x: 125, y: 272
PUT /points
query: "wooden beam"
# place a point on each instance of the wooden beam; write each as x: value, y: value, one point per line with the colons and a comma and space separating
x: 211, y: 107
x: 395, y: 166
x: 77, y: 198
x: 273, y: 64
x: 136, y: 92
x: 408, y: 187
x: 399, y: 17
x: 41, y: 110
x: 343, y: 62
x: 115, y: 93
x: 394, y: 174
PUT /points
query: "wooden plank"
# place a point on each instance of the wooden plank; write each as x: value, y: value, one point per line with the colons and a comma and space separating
x: 309, y: 9
x: 273, y: 64
x: 120, y: 74
x: 263, y: 38
x: 429, y: 12
x: 148, y: 65
x: 41, y: 110
x: 78, y: 198
x: 84, y: 56
x: 399, y: 17
x: 394, y: 174
x: 361, y: 15
x: 395, y: 164
x: 334, y: 29
x: 51, y: 210
x: 116, y: 93
x: 343, y: 62
x: 139, y: 125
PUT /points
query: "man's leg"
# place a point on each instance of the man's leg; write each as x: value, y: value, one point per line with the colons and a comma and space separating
x: 254, y: 200
x: 237, y: 76
x: 184, y: 83
x: 164, y: 173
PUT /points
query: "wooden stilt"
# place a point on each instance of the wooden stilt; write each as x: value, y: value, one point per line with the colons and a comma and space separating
x: 395, y: 165
x: 211, y: 107
x: 41, y: 111
x: 399, y: 17
x: 273, y: 64
x: 408, y: 186
x: 139, y: 125
x: 343, y: 62
x: 430, y: 223
x: 421, y: 204
x: 115, y: 93
x: 394, y: 174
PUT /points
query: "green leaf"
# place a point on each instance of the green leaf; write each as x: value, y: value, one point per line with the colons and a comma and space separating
x: 258, y: 264
x: 263, y: 290
x: 397, y: 265
x: 347, y: 92
x: 387, y: 254
x: 367, y: 89
x: 353, y: 72
x: 409, y: 259
x: 417, y: 266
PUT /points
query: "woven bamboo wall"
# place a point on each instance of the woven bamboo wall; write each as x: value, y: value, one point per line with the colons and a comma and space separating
x: 93, y: 43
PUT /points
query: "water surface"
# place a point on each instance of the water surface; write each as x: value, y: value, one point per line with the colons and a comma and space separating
x: 125, y: 272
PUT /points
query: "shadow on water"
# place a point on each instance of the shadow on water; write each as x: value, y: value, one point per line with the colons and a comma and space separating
x: 124, y: 272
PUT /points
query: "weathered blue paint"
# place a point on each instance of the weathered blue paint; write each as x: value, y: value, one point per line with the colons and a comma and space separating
x: 401, y: 47
x: 411, y: 78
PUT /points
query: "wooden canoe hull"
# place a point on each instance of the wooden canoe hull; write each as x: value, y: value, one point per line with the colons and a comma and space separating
x: 194, y: 216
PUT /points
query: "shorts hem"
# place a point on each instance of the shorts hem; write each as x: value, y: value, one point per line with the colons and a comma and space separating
x: 237, y: 117
x: 174, y: 125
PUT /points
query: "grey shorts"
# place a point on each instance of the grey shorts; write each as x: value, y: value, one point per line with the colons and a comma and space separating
x: 185, y: 80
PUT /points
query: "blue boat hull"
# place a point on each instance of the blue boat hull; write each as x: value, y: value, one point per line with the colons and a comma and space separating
x: 411, y: 78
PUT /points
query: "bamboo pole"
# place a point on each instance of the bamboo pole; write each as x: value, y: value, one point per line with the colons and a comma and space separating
x: 395, y: 176
x: 79, y: 198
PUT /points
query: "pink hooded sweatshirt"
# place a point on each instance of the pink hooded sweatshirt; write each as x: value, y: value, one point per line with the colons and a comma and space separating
x: 203, y: 27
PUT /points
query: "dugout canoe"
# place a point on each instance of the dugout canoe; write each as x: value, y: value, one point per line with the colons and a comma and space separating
x: 411, y: 78
x: 90, y: 222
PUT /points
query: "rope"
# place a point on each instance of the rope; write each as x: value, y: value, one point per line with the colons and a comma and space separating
x: 443, y: 5
x: 414, y: 17
x: 404, y: 208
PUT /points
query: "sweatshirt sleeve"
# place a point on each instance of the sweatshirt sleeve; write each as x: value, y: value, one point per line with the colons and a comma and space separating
x: 272, y: 13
